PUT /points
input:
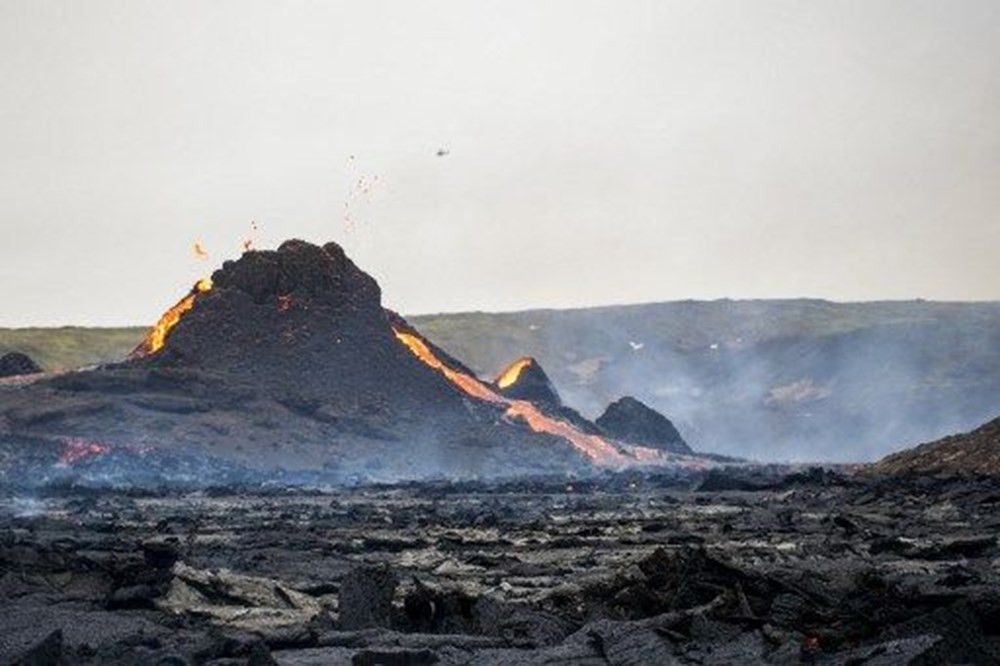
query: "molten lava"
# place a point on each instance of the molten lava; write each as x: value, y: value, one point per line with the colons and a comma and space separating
x: 467, y: 383
x: 158, y: 335
x: 599, y: 450
x: 76, y: 449
x: 513, y: 372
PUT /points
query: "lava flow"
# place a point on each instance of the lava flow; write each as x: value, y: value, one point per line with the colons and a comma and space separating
x: 157, y: 336
x: 467, y: 383
x: 513, y: 371
x: 76, y: 449
x: 594, y: 447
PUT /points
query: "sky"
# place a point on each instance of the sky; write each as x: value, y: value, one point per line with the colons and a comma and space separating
x: 596, y: 152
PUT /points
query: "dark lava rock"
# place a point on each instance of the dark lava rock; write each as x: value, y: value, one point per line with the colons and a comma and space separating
x: 975, y: 452
x: 366, y: 597
x: 394, y: 657
x: 632, y: 421
x: 717, y: 480
x: 160, y: 555
x: 432, y: 610
x: 16, y: 363
x: 48, y: 651
x: 524, y: 379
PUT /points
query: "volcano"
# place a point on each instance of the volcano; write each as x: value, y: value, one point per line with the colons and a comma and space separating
x: 634, y: 421
x: 524, y: 379
x: 287, y: 359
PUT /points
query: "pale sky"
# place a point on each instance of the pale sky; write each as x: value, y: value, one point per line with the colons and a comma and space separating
x: 600, y: 152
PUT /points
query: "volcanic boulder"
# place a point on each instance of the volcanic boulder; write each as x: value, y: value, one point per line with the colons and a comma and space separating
x: 524, y: 379
x: 16, y: 363
x: 631, y: 420
x: 974, y: 452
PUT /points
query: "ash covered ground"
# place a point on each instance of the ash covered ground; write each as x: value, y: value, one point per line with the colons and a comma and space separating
x: 624, y: 568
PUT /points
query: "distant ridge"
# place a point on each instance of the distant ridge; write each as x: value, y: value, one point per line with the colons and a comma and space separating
x: 790, y: 379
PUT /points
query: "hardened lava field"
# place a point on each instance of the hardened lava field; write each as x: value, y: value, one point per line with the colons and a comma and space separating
x: 622, y: 569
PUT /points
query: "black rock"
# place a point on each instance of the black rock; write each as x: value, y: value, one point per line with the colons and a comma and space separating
x: 394, y: 657
x: 16, y: 363
x: 366, y: 597
x: 524, y: 379
x: 632, y: 421
x: 717, y: 480
x: 432, y: 610
x: 46, y: 652
x: 160, y: 555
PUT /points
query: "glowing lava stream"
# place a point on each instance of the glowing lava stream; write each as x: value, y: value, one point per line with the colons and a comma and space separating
x: 155, y: 339
x: 596, y: 448
x: 513, y: 371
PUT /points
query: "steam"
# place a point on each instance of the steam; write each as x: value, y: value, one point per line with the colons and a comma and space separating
x: 768, y: 380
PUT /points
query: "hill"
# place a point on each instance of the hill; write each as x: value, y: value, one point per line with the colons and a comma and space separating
x: 975, y: 452
x: 771, y: 379
x: 70, y: 347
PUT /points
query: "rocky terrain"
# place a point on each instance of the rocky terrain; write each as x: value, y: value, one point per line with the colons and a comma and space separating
x: 284, y: 472
x: 968, y: 453
x: 622, y: 569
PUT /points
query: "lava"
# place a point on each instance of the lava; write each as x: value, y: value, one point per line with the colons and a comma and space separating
x: 598, y: 449
x: 467, y: 383
x: 513, y: 371
x: 76, y: 449
x: 157, y: 336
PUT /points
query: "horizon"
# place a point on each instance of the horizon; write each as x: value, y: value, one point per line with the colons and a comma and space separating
x: 501, y: 157
x: 597, y: 306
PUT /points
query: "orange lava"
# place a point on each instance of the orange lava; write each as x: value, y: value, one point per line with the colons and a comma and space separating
x: 599, y: 450
x: 156, y: 338
x: 76, y: 449
x: 513, y: 371
x: 467, y: 383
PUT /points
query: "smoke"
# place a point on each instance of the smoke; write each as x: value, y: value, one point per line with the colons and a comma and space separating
x: 799, y: 380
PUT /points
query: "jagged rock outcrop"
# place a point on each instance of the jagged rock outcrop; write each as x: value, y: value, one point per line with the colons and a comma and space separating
x: 974, y: 452
x: 633, y: 421
x: 16, y: 363
x: 524, y: 379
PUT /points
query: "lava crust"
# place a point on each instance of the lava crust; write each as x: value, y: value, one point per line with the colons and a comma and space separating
x: 623, y: 569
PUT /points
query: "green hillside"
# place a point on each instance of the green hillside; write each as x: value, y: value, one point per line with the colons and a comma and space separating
x: 71, y: 346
